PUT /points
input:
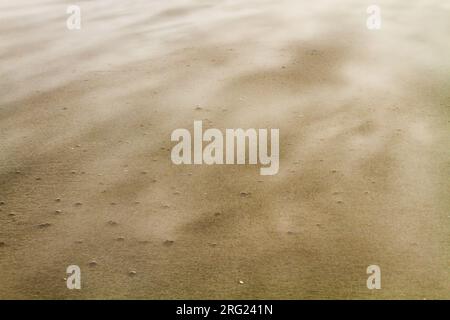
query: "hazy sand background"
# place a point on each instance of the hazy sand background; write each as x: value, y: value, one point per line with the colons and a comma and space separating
x: 86, y: 116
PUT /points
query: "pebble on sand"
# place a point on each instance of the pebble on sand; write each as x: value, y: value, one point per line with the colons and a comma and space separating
x: 58, y: 211
x: 2, y: 203
x: 168, y: 242
x: 112, y: 223
x: 132, y: 273
x: 245, y: 194
x: 120, y: 239
x: 241, y: 282
x: 93, y: 263
x: 44, y: 225
x: 78, y: 204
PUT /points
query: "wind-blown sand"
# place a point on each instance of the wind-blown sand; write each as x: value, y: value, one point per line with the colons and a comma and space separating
x: 86, y: 117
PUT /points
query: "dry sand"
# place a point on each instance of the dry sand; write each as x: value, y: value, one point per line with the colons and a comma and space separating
x: 86, y: 117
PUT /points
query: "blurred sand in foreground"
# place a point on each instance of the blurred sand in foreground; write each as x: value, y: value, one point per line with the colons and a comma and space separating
x: 85, y: 170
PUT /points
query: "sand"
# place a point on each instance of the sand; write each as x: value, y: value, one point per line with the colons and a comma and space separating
x: 86, y: 175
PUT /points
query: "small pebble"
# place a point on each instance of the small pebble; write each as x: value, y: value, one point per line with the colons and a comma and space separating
x: 241, y: 282
x: 168, y: 242
x: 58, y: 211
x: 132, y: 273
x: 93, y: 263
x: 112, y: 223
x: 44, y: 225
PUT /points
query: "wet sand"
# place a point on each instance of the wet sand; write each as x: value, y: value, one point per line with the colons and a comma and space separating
x: 86, y: 175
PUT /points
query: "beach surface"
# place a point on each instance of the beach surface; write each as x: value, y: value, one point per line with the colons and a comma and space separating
x: 86, y: 176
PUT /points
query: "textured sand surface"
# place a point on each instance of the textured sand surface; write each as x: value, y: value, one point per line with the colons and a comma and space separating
x: 86, y: 118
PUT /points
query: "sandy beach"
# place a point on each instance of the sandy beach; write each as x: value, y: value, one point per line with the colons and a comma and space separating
x: 86, y: 176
